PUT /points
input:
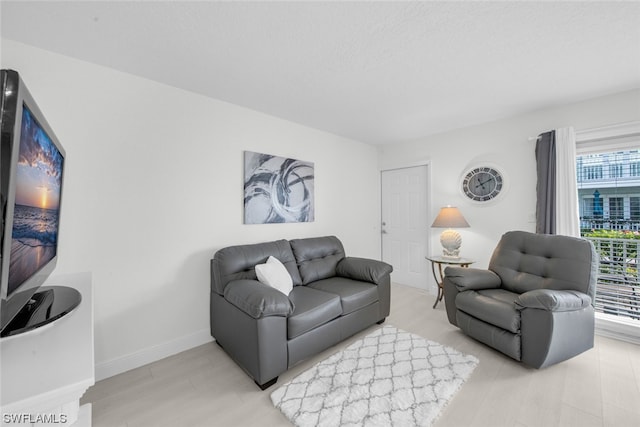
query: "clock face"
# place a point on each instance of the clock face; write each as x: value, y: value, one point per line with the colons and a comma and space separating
x: 482, y: 184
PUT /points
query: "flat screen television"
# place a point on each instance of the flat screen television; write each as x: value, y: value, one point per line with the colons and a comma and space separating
x: 32, y: 165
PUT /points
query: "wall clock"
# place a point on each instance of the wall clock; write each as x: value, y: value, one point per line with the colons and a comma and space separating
x: 482, y: 183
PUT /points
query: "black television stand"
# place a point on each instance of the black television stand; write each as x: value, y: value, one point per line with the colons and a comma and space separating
x: 45, y: 306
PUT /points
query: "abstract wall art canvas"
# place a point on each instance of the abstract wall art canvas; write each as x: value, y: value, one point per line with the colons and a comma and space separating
x: 277, y: 189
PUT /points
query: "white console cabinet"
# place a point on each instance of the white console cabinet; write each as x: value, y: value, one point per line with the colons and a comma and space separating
x: 45, y: 372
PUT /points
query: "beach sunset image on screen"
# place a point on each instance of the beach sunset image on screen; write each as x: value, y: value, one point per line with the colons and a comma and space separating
x: 37, y: 202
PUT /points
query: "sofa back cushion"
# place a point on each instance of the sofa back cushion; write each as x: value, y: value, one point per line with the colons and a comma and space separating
x: 239, y: 262
x: 526, y: 261
x: 317, y: 257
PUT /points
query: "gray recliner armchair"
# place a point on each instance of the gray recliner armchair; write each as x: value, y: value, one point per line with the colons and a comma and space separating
x: 535, y: 301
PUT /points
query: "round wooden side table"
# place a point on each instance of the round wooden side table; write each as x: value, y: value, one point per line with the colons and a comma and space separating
x: 441, y: 261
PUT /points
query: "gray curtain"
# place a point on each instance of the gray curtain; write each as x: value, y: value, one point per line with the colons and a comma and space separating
x: 546, y: 188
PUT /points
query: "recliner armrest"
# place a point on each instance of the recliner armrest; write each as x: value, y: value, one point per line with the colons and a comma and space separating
x: 366, y: 270
x: 257, y: 299
x: 472, y: 278
x: 552, y: 300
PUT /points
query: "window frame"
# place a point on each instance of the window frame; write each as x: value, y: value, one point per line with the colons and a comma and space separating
x: 616, y: 137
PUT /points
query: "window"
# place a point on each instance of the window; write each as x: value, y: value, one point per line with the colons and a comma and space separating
x: 586, y: 207
x: 608, y: 166
x: 616, y: 208
x: 615, y: 170
x: 592, y: 172
x: 634, y: 208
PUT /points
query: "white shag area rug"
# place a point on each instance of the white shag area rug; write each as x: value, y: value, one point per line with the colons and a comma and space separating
x: 388, y: 378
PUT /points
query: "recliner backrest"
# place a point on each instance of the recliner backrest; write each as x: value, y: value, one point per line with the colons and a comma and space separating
x: 238, y: 262
x: 527, y: 261
x: 317, y: 257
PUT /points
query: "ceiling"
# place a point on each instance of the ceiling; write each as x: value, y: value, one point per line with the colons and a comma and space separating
x: 377, y: 72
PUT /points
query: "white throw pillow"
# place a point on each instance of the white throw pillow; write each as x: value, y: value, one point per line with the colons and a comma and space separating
x: 275, y: 274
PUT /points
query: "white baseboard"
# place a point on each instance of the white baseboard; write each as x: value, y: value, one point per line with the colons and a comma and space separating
x: 148, y: 355
x: 613, y: 327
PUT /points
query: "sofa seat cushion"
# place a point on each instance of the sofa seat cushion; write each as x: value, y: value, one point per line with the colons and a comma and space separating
x: 353, y: 294
x: 312, y: 308
x: 494, y: 306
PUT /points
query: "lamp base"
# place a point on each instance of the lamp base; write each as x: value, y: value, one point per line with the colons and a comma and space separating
x: 451, y: 242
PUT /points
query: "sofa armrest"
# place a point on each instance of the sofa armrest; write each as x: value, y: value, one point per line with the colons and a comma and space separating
x: 257, y: 300
x: 472, y: 278
x: 366, y: 270
x: 552, y: 300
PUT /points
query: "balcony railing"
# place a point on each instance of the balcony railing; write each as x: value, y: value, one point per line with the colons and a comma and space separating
x: 618, y: 287
x: 587, y: 223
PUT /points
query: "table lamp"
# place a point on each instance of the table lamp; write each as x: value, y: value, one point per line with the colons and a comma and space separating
x: 450, y: 217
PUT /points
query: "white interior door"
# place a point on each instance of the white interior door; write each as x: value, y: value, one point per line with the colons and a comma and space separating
x: 405, y: 224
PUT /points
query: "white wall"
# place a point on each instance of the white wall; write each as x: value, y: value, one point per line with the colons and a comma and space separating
x: 153, y: 187
x: 506, y: 144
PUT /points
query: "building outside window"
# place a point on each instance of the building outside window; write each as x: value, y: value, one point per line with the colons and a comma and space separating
x: 611, y: 200
x: 609, y: 203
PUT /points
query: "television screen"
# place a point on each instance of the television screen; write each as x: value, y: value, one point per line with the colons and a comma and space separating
x: 38, y: 184
x: 31, y: 168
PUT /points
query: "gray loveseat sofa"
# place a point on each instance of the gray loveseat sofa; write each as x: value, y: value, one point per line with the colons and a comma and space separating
x: 265, y: 331
x: 534, y: 303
